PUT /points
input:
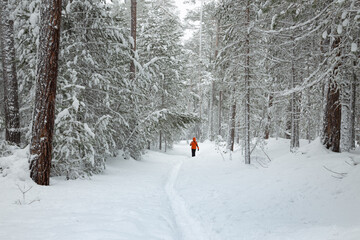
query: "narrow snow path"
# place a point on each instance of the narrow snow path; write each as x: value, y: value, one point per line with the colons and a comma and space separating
x: 172, y: 196
x: 190, y: 228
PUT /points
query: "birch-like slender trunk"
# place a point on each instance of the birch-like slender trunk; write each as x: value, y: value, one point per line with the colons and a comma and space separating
x: 46, y: 77
x: 11, y: 103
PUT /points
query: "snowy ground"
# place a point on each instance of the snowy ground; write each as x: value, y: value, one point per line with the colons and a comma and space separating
x: 172, y: 196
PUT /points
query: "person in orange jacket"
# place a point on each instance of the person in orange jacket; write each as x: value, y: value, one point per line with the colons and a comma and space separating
x: 194, y: 145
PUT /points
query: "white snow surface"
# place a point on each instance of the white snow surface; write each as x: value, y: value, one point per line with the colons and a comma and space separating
x: 312, y: 194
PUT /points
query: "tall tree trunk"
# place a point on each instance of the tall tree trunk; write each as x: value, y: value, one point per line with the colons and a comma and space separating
x: 211, y: 111
x: 332, y: 118
x: 288, y: 121
x: 232, y: 122
x: 199, y: 127
x: 353, y: 109
x: 295, y: 115
x: 219, y: 113
x: 11, y: 103
x: 346, y: 115
x: 267, y: 126
x: 216, y: 55
x: 160, y: 140
x: 133, y: 35
x: 247, y: 87
x: 46, y: 77
x: 332, y: 115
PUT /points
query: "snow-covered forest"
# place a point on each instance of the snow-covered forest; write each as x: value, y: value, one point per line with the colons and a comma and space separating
x: 90, y: 86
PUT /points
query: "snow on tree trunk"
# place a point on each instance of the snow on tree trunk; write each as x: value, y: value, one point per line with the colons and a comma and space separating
x: 232, y: 121
x: 346, y: 133
x: 133, y: 35
x: 44, y: 112
x: 11, y: 103
x: 295, y: 114
x: 353, y: 109
x: 220, y: 92
x: 332, y: 114
x: 332, y: 118
x: 219, y: 113
x: 211, y: 112
x: 247, y: 87
x: 268, y: 120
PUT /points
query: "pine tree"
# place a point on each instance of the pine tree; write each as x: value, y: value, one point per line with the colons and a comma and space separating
x: 44, y: 112
x: 11, y: 103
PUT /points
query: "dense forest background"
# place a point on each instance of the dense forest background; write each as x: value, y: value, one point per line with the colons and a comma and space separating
x: 251, y: 70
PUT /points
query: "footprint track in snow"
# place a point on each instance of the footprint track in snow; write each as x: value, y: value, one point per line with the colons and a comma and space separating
x: 188, y: 226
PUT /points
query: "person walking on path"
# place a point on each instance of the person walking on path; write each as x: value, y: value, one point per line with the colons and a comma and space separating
x: 194, y: 145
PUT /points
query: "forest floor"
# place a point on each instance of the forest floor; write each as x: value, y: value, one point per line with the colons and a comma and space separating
x: 312, y: 194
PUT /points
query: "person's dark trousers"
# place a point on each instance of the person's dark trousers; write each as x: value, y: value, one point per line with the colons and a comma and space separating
x: 193, y: 151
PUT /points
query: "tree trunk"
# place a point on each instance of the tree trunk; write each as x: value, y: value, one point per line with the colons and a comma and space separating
x: 332, y: 115
x: 211, y: 111
x: 267, y: 126
x: 219, y: 114
x: 288, y: 121
x: 200, y: 107
x: 247, y: 88
x: 346, y: 115
x: 332, y: 118
x: 160, y: 140
x: 11, y: 103
x: 295, y: 114
x: 44, y: 112
x: 133, y: 35
x: 353, y: 109
x: 231, y: 139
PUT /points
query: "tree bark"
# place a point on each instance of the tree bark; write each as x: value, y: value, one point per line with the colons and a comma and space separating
x: 332, y: 115
x: 44, y: 112
x: 353, y: 109
x: 295, y: 110
x: 247, y: 87
x: 160, y: 140
x: 211, y: 111
x: 231, y: 139
x: 267, y: 126
x: 332, y: 118
x: 133, y: 35
x: 11, y: 103
x: 219, y: 113
x: 346, y: 113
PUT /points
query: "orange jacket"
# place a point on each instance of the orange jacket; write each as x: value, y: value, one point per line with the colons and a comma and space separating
x: 194, y: 144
